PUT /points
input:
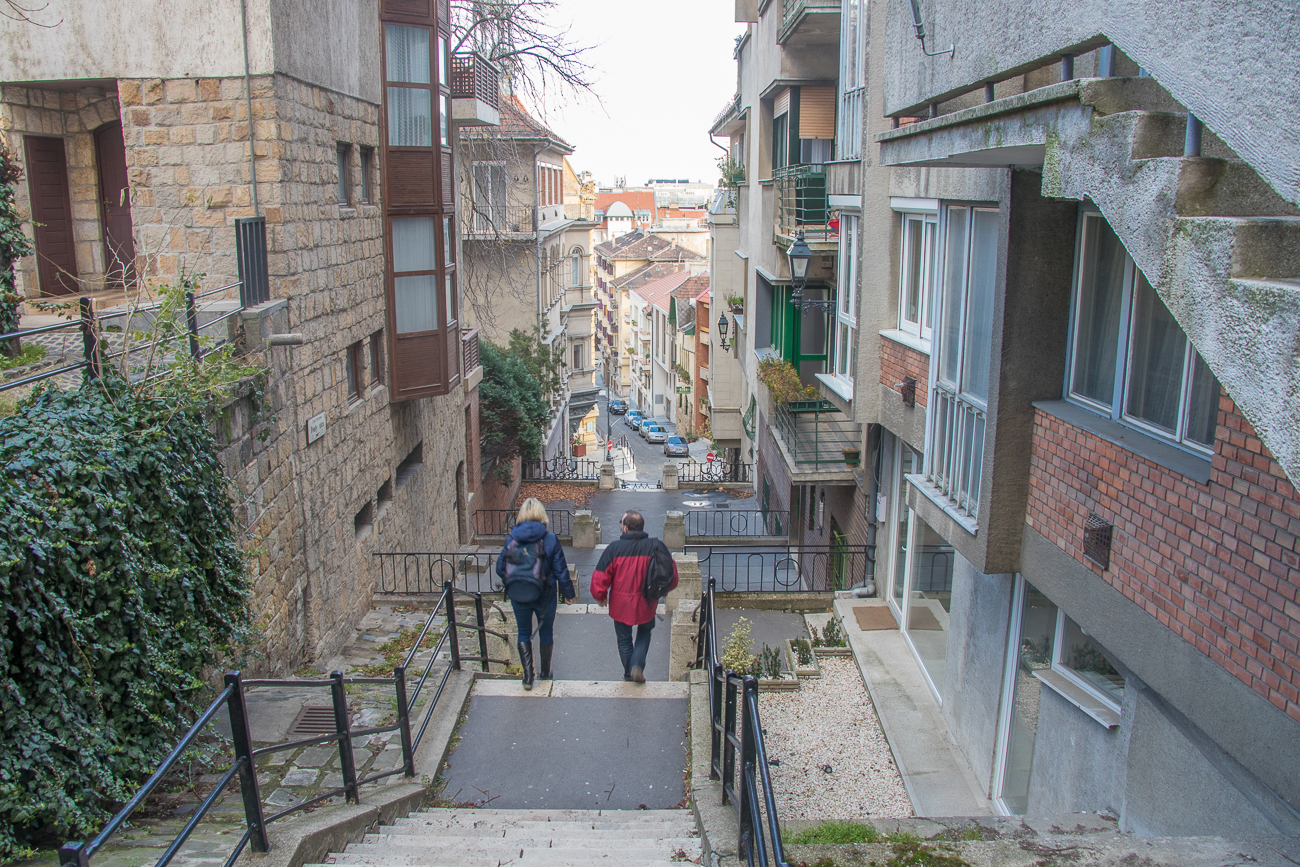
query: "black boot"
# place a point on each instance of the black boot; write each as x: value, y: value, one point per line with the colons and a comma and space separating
x: 546, y: 661
x: 526, y: 661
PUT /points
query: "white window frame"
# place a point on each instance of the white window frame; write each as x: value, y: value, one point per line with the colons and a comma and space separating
x: 1118, y: 408
x: 1060, y: 667
x: 846, y: 300
x: 927, y: 254
x: 956, y: 424
x: 852, y: 84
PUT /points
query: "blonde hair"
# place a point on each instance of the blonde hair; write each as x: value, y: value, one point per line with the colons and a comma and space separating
x: 532, y: 510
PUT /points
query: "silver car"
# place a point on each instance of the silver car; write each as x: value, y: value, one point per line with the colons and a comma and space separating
x: 655, y: 434
x: 676, y: 447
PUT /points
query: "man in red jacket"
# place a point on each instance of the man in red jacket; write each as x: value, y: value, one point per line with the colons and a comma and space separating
x: 617, y: 583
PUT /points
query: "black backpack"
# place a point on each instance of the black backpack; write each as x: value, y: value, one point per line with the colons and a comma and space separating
x: 658, y: 573
x: 525, y: 579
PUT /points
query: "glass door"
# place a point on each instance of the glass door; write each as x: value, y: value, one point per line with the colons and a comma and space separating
x: 928, y: 599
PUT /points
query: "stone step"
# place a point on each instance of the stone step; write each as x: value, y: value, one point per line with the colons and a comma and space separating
x: 537, y: 860
x: 479, y: 814
x: 540, y: 829
x: 528, y: 837
x: 1247, y: 248
x: 494, y: 856
x: 417, y: 848
x: 1209, y: 187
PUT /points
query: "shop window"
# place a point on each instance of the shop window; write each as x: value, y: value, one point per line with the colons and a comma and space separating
x: 1147, y: 374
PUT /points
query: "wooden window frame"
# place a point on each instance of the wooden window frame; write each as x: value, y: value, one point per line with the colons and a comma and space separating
x: 377, y: 358
x: 352, y: 370
x: 367, y: 175
x: 343, y: 160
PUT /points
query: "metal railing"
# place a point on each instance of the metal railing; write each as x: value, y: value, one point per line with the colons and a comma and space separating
x: 250, y: 251
x: 499, y: 522
x: 736, y: 727
x: 786, y: 568
x: 812, y: 434
x: 736, y: 522
x: 234, y: 699
x: 957, y: 452
x: 802, y: 203
x: 714, y: 471
x: 93, y: 353
x: 469, y: 345
x: 560, y: 469
x: 473, y: 76
x: 490, y: 220
x: 414, y: 573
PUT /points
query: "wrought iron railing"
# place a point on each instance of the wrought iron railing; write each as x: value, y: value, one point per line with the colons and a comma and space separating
x: 416, y: 573
x: 714, y: 471
x: 473, y: 76
x: 560, y: 469
x: 957, y: 451
x: 233, y: 698
x: 491, y: 220
x: 736, y: 522
x: 736, y: 727
x: 814, y: 434
x: 787, y: 568
x: 499, y: 522
x: 802, y: 203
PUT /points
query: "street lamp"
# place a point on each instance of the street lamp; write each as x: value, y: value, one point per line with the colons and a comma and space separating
x: 800, y: 256
x: 722, y: 330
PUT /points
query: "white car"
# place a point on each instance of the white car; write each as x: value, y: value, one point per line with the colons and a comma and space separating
x: 655, y: 434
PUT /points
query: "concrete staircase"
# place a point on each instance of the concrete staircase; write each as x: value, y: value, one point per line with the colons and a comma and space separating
x: 546, y: 838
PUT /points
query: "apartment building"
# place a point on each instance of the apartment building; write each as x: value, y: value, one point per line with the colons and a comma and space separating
x: 1059, y: 262
x: 652, y: 345
x: 528, y: 253
x: 328, y: 141
x: 688, y: 313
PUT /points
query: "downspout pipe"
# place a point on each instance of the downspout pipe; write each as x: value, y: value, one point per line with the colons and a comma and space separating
x: 248, y: 104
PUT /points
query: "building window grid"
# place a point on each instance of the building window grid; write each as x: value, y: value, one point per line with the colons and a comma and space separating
x: 851, y: 84
x: 846, y: 308
x: 917, y: 274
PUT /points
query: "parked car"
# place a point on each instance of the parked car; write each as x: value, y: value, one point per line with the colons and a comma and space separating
x: 656, y: 434
x: 676, y: 447
x: 618, y: 407
x: 633, y: 419
x: 646, y: 426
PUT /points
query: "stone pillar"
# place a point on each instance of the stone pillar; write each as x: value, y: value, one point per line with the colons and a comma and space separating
x: 670, y: 477
x: 682, y: 643
x: 675, y: 531
x: 689, y: 581
x: 608, y: 481
x: 586, y: 531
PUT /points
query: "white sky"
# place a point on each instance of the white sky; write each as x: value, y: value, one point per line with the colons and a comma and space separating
x: 663, y: 71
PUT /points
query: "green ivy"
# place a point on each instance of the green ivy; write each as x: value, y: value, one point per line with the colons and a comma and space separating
x: 122, y: 584
x: 512, y: 410
x: 13, y: 244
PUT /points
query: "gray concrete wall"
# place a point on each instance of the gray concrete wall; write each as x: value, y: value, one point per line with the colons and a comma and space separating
x: 977, y: 650
x: 1079, y: 764
x: 1232, y: 64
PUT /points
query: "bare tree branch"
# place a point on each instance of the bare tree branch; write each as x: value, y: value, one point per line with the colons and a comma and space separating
x: 15, y: 11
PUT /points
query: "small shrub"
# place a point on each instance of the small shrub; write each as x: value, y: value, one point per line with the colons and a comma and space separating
x: 837, y: 833
x: 833, y: 634
x: 736, y: 651
x: 782, y: 381
x: 769, y: 663
x: 802, y: 651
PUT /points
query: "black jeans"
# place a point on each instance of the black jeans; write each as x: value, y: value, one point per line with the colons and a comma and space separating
x: 633, y: 652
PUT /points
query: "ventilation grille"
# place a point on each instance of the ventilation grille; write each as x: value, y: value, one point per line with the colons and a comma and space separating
x: 313, y: 722
x: 1097, y: 535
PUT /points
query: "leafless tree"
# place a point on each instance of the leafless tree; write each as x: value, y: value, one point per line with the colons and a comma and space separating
x: 16, y: 11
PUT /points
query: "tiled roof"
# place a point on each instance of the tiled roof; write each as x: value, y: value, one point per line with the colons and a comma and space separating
x: 610, y: 247
x: 516, y: 123
x: 657, y: 292
x: 650, y: 247
x: 640, y: 200
x: 647, y: 273
x: 697, y: 286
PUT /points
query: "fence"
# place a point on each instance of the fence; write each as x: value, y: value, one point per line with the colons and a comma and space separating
x: 498, y: 522
x: 560, y: 469
x: 802, y: 201
x: 735, y: 726
x: 487, y: 219
x: 786, y: 568
x: 715, y: 471
x: 234, y: 699
x: 815, y: 434
x: 423, y: 572
x: 736, y: 522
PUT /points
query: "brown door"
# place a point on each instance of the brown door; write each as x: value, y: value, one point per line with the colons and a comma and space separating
x: 115, y: 204
x: 47, y: 179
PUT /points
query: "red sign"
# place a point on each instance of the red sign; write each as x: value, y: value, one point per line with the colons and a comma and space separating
x: 709, y: 457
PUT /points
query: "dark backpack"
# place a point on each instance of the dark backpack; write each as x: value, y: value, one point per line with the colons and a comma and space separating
x: 658, y: 573
x: 525, y: 579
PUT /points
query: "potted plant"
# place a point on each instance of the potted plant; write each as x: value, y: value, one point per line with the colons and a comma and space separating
x: 736, y: 303
x: 852, y: 457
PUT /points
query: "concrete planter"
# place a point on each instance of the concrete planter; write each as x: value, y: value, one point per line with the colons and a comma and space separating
x: 813, y: 670
x: 832, y: 651
x: 781, y: 685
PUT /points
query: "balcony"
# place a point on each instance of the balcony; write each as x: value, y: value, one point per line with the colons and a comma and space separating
x: 475, y: 90
x: 802, y: 206
x: 813, y: 436
x: 493, y: 222
x: 809, y: 24
x: 704, y: 373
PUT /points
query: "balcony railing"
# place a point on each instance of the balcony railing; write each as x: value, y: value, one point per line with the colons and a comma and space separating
x: 802, y: 203
x: 469, y: 350
x: 487, y: 220
x: 473, y: 76
x: 813, y: 433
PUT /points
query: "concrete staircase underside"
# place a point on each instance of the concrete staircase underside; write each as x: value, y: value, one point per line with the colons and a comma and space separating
x: 488, y: 838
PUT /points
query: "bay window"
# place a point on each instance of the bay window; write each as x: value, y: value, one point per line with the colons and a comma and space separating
x: 1129, y: 359
x: 959, y: 378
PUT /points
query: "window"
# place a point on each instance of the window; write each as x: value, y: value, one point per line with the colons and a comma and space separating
x: 780, y: 141
x: 377, y: 357
x: 959, y: 380
x: 490, y: 197
x: 367, y: 176
x: 917, y: 278
x: 449, y: 267
x: 853, y: 32
x: 846, y: 315
x: 1129, y: 359
x: 343, y: 155
x: 577, y: 357
x: 575, y: 267
x: 410, y: 92
x: 415, y: 274
x: 352, y: 362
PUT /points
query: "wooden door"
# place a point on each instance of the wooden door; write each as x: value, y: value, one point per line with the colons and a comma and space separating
x: 115, y: 205
x: 47, y: 180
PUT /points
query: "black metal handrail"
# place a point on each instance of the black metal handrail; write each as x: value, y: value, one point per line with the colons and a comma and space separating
x: 736, y: 522
x: 499, y: 522
x: 714, y: 471
x: 560, y: 469
x: 786, y: 568
x: 407, y: 573
x: 234, y: 698
x: 735, y: 725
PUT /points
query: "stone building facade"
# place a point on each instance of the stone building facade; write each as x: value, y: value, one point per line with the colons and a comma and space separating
x: 295, y: 138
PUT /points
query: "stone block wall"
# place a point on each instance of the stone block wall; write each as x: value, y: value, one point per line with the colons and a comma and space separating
x: 1218, y: 564
x: 898, y: 360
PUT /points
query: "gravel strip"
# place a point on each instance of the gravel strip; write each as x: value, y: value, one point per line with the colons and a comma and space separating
x: 830, y: 722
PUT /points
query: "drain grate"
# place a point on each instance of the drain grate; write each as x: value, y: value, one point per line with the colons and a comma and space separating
x: 312, y: 722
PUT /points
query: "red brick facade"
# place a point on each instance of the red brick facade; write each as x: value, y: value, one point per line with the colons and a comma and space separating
x: 898, y: 360
x: 1219, y: 563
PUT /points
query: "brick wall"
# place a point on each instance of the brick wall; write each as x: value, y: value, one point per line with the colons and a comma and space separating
x: 898, y: 360
x: 1219, y: 564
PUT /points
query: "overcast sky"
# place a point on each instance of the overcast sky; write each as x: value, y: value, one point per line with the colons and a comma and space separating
x: 663, y: 70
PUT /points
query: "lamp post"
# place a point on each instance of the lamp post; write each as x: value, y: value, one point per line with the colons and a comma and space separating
x: 722, y: 330
x: 800, y: 256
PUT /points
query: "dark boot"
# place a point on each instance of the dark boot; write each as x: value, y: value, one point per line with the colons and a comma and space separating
x: 526, y: 662
x: 546, y: 661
